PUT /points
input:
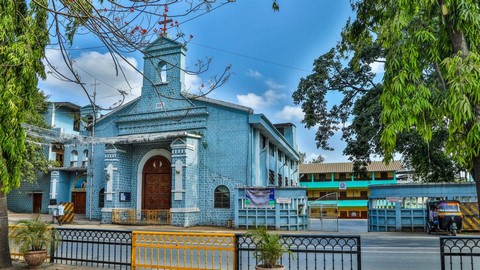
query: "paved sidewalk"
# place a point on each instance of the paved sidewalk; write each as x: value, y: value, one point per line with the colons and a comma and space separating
x: 345, y: 226
x: 16, y: 264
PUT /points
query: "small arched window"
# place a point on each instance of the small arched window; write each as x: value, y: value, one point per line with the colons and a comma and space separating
x: 162, y: 72
x: 74, y: 159
x: 101, y: 198
x: 222, y: 197
x: 85, y: 158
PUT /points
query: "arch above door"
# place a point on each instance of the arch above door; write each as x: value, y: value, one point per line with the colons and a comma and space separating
x: 154, y: 152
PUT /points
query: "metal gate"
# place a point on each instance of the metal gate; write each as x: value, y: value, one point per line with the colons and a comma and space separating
x: 170, y: 250
x: 323, y: 213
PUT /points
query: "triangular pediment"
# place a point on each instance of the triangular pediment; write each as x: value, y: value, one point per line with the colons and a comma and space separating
x: 178, y: 142
x: 162, y: 43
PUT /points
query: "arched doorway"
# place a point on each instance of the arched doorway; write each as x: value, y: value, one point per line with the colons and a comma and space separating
x: 157, y: 183
x: 79, y: 195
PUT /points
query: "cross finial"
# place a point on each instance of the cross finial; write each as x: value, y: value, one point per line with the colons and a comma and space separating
x: 165, y: 21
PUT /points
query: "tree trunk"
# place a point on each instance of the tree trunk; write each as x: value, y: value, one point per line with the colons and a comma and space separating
x: 476, y: 178
x: 5, y: 260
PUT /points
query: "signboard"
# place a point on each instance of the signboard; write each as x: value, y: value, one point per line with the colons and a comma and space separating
x: 260, y: 197
x: 284, y: 200
x: 342, y: 185
x: 125, y: 196
x: 394, y: 199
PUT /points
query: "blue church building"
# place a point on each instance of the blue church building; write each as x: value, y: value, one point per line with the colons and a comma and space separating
x: 192, y: 159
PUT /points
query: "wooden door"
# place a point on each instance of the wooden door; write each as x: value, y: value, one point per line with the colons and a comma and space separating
x: 37, y: 202
x: 79, y: 200
x: 157, y: 184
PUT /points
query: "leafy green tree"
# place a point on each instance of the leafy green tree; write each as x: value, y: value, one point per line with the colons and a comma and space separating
x: 349, y: 77
x: 431, y: 80
x: 23, y: 37
x: 427, y: 159
x: 34, y: 160
x: 432, y: 70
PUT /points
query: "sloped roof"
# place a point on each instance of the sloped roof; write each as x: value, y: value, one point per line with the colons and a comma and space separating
x: 375, y: 166
x: 66, y: 104
x: 223, y: 103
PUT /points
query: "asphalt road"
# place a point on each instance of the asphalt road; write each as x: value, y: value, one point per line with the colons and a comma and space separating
x: 400, y: 251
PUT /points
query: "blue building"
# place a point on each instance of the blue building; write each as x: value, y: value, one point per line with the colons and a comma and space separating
x: 402, y: 207
x: 186, y: 157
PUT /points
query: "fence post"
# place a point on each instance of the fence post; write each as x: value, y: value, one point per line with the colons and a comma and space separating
x: 237, y: 252
x: 442, y: 254
x: 133, y: 250
x: 53, y: 245
x: 359, y: 254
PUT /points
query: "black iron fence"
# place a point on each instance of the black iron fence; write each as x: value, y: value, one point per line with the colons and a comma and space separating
x: 97, y: 248
x: 113, y: 249
x: 308, y: 252
x: 460, y: 252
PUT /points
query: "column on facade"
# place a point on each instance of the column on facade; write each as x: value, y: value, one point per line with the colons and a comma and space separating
x: 54, y: 175
x: 112, y: 179
x: 267, y: 161
x: 185, y: 180
x: 257, y: 148
x: 275, y: 158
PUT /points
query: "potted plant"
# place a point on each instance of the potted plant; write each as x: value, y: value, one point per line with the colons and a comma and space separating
x: 268, y: 248
x: 33, y: 237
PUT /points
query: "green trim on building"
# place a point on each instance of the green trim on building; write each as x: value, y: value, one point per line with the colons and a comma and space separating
x: 342, y: 203
x: 350, y: 184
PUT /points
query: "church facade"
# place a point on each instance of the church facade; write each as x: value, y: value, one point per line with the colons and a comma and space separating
x: 191, y: 157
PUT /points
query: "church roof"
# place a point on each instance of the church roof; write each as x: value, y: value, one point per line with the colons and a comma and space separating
x: 346, y: 167
x: 225, y: 104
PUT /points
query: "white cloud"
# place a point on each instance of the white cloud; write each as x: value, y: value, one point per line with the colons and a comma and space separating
x: 273, y: 85
x: 193, y: 83
x: 378, y: 67
x: 290, y: 114
x: 251, y: 100
x: 255, y: 101
x: 90, y: 66
x: 254, y: 73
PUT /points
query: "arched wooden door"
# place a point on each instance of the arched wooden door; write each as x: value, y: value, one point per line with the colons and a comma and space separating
x: 157, y: 184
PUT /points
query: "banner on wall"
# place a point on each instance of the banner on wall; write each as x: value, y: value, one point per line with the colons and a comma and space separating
x: 260, y: 197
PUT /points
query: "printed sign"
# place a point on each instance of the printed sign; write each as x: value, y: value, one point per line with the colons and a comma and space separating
x: 394, y: 199
x: 284, y: 200
x: 125, y: 196
x: 342, y: 186
x: 260, y: 197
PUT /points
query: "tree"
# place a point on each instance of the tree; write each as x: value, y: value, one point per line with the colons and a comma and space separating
x: 431, y: 80
x: 318, y: 159
x: 347, y: 70
x: 27, y: 27
x: 34, y: 159
x: 432, y: 70
x: 23, y: 37
x: 303, y: 157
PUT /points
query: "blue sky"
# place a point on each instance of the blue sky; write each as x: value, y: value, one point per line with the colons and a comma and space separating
x: 269, y: 53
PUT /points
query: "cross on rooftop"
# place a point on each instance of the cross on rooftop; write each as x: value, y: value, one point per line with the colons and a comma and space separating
x: 165, y: 21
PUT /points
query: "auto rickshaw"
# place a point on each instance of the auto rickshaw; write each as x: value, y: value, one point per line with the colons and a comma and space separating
x: 444, y: 216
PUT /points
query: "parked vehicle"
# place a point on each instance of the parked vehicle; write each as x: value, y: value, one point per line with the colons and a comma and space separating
x: 444, y: 216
